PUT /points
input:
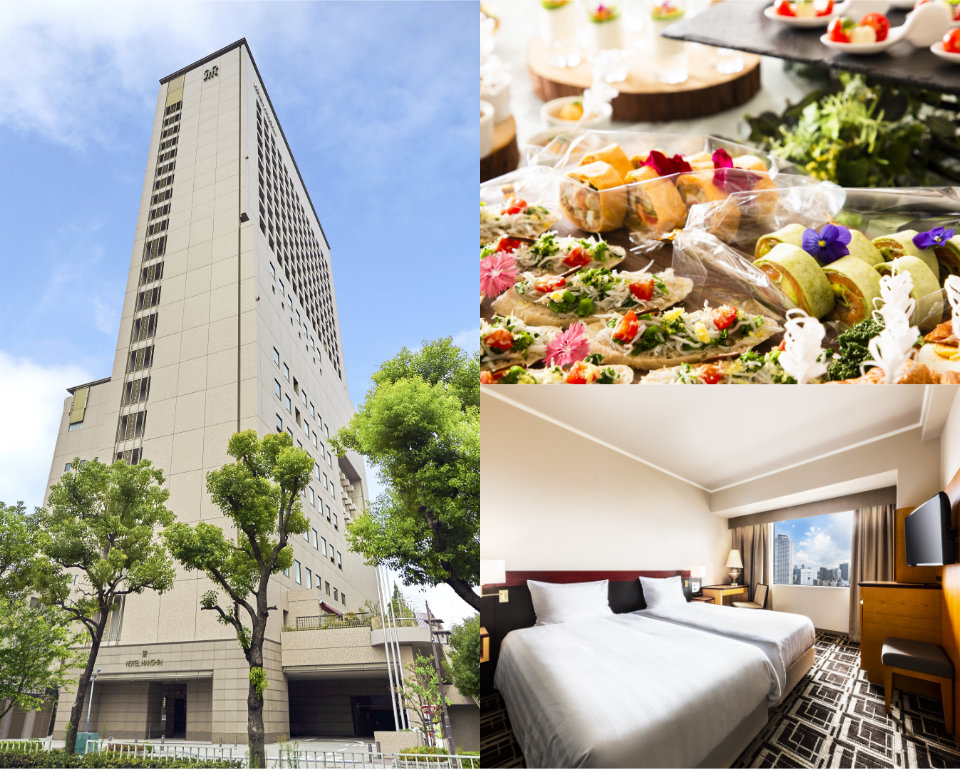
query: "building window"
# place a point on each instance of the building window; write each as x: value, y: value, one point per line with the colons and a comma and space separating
x: 329, y: 459
x: 312, y: 413
x: 67, y: 467
x: 276, y: 357
x: 309, y: 578
x: 280, y: 281
x: 315, y: 438
x: 314, y: 538
x: 317, y: 582
x: 343, y: 598
x: 286, y: 572
x: 290, y: 431
x: 336, y: 524
x: 296, y: 572
x: 328, y: 587
x: 328, y: 512
x: 813, y: 551
x: 336, y: 595
x: 276, y: 389
x: 273, y: 271
x: 331, y: 552
x: 323, y: 540
x: 326, y: 482
x: 313, y: 497
x: 316, y: 471
x: 289, y: 405
x: 339, y: 560
x: 286, y: 372
x: 306, y: 428
x: 303, y: 398
x: 75, y: 426
x: 115, y: 620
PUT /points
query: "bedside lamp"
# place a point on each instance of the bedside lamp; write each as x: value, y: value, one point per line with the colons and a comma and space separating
x: 493, y: 572
x: 734, y: 564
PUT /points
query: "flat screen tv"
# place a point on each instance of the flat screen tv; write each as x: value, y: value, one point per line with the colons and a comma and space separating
x: 928, y: 538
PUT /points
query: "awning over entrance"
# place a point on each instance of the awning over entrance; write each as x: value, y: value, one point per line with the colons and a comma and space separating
x: 330, y: 610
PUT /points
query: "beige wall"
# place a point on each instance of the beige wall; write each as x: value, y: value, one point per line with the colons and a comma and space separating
x: 950, y: 444
x: 553, y: 500
x: 827, y: 607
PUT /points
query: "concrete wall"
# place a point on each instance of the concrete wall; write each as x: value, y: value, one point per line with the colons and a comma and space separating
x: 552, y: 500
x: 17, y: 723
x: 465, y: 721
x: 827, y: 607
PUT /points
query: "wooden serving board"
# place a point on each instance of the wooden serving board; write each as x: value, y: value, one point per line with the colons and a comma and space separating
x: 643, y: 97
x: 505, y: 156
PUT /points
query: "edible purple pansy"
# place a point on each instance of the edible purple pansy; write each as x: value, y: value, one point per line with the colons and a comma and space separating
x: 935, y: 237
x: 828, y: 245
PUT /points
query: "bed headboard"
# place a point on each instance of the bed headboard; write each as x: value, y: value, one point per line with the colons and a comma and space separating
x: 501, y: 618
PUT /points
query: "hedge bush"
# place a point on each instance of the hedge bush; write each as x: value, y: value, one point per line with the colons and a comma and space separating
x: 60, y: 758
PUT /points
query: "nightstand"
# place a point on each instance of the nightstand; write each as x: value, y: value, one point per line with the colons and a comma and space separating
x: 727, y: 594
x: 704, y: 599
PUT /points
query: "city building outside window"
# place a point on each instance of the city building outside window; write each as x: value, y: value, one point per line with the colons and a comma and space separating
x: 813, y: 551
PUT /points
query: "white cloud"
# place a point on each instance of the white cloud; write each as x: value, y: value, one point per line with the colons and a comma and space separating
x: 468, y: 340
x: 31, y: 403
x: 826, y: 546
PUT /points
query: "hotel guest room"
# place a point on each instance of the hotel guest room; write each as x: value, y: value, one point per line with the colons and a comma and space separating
x: 749, y: 578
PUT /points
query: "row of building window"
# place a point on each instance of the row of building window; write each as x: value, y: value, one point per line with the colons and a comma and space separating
x: 305, y: 334
x: 315, y: 580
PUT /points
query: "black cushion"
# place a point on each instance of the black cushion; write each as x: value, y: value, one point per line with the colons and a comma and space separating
x: 916, y: 656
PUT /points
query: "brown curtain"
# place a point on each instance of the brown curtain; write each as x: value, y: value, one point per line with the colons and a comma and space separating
x: 755, y: 544
x: 871, y: 554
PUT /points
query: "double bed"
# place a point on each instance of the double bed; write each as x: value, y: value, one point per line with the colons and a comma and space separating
x: 633, y: 689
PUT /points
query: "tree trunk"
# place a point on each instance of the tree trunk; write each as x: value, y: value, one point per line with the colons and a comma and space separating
x: 76, y: 712
x: 255, y: 699
x: 464, y: 591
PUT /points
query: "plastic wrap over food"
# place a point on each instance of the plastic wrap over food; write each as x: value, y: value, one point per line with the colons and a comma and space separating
x: 521, y: 204
x: 742, y: 218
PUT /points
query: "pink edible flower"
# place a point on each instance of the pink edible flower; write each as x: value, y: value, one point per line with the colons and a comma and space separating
x: 568, y: 347
x: 721, y: 159
x: 665, y: 166
x: 497, y: 274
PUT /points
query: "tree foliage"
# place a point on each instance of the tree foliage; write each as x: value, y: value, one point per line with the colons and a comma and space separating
x: 19, y: 541
x: 97, y: 543
x: 463, y: 664
x: 36, y: 650
x: 260, y: 494
x: 420, y: 694
x: 419, y: 427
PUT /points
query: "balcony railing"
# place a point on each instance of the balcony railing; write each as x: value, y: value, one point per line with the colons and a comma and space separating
x: 350, y: 620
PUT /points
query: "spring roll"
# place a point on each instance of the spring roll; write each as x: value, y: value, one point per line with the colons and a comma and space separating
x: 856, y: 288
x: 653, y: 204
x: 792, y: 234
x: 698, y: 187
x: 612, y: 154
x: 901, y: 245
x: 800, y: 277
x: 863, y: 249
x: 594, y: 198
x: 926, y: 290
x: 948, y: 255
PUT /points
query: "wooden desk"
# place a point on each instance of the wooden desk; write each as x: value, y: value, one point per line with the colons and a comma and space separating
x: 728, y: 594
x: 704, y: 599
x: 906, y: 610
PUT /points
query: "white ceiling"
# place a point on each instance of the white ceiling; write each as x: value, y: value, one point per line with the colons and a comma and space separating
x: 716, y: 437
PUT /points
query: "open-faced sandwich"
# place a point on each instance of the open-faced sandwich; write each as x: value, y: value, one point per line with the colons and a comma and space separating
x: 941, y: 352
x: 517, y: 218
x: 677, y: 336
x: 559, y: 300
x: 506, y: 340
x: 750, y: 368
x: 580, y: 373
x: 552, y: 253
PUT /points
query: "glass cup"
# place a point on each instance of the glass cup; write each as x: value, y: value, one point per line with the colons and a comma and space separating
x: 671, y: 55
x: 728, y: 62
x: 606, y: 26
x: 558, y: 31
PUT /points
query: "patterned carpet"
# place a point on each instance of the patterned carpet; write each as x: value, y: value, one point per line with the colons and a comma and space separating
x: 833, y: 718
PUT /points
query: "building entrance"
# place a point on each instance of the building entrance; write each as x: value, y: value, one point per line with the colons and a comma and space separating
x: 167, y: 710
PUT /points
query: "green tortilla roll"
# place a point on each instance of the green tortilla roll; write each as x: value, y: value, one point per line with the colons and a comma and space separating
x: 948, y: 256
x: 901, y: 245
x: 792, y: 234
x: 861, y: 247
x: 926, y: 290
x: 855, y: 286
x: 800, y: 277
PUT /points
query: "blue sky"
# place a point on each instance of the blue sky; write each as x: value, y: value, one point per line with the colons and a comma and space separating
x: 377, y: 101
x: 819, y: 541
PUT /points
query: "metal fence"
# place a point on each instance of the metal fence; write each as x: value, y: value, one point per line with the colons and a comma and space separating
x: 282, y: 758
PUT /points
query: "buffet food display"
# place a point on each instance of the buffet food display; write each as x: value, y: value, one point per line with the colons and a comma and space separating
x: 653, y: 259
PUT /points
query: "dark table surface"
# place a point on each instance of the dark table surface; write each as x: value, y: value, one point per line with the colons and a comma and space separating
x: 740, y: 24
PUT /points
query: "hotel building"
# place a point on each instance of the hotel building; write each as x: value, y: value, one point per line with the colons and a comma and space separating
x: 230, y: 323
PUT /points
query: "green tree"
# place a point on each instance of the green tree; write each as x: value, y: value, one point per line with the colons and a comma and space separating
x: 463, y: 665
x: 421, y: 695
x: 419, y: 427
x: 36, y: 650
x: 99, y: 523
x: 19, y: 541
x: 260, y: 493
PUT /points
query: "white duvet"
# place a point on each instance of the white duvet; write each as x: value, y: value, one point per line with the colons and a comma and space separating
x: 626, y: 691
x: 782, y: 636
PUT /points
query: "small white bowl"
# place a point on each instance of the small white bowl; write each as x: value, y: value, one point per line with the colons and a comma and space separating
x: 937, y: 50
x: 795, y: 21
x: 600, y: 119
x: 894, y: 36
x: 486, y: 128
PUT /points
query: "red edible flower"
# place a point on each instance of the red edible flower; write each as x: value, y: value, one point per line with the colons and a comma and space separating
x: 665, y: 166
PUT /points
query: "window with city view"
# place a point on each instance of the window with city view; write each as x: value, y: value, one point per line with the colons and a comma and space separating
x: 814, y: 551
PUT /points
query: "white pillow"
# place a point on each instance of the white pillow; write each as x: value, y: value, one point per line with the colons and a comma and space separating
x: 560, y: 602
x: 662, y: 592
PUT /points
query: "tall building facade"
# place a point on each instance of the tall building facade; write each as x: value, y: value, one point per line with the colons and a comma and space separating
x: 230, y: 323
x: 782, y: 560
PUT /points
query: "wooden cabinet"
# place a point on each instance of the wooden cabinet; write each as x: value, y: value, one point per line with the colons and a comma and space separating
x: 895, y: 609
x: 727, y: 594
